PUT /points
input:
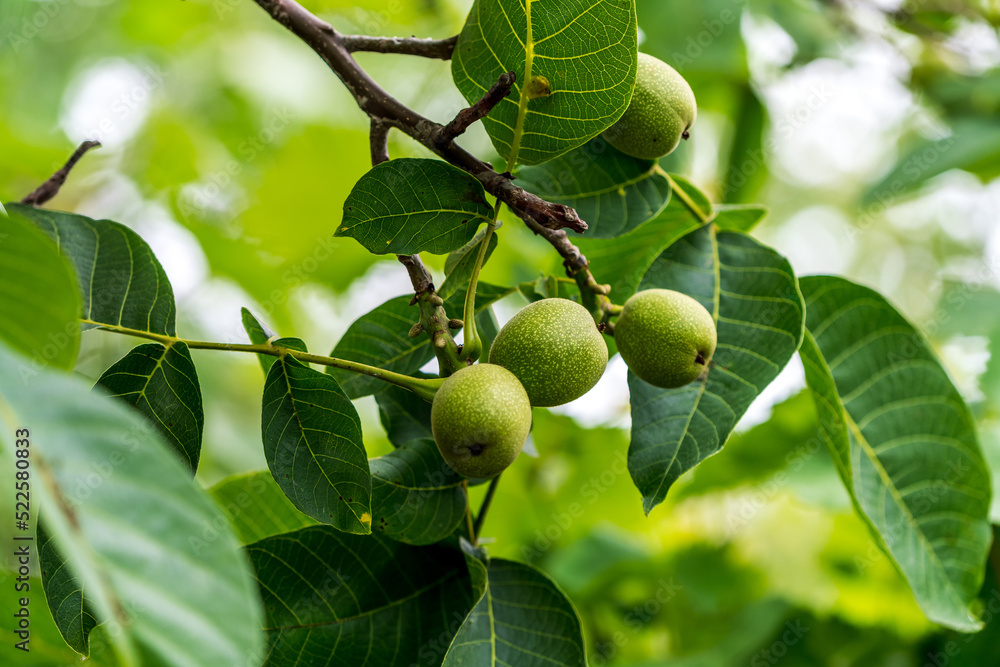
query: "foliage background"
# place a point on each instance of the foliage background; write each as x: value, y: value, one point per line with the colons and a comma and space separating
x: 869, y: 128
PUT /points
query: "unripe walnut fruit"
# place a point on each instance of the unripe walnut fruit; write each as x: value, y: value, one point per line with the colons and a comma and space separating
x: 661, y: 112
x: 665, y: 337
x: 480, y: 419
x: 554, y: 348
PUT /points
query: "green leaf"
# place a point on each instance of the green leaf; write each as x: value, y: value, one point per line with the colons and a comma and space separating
x: 39, y: 297
x: 460, y: 264
x: 257, y: 507
x: 738, y: 217
x: 904, y: 442
x: 405, y: 416
x: 613, y: 192
x: 162, y: 384
x: 754, y: 298
x: 261, y: 334
x: 416, y: 497
x: 358, y: 601
x: 129, y: 519
x: 523, y: 619
x: 71, y: 610
x: 413, y: 205
x: 575, y: 63
x: 312, y: 442
x: 379, y: 338
x: 121, y: 281
x: 623, y: 261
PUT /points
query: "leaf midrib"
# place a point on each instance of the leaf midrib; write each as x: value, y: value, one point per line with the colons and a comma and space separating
x: 904, y: 508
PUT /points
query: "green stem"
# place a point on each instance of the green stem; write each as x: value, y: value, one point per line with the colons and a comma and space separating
x: 472, y: 346
x: 685, y: 197
x: 425, y: 388
x: 487, y: 501
x: 468, y: 514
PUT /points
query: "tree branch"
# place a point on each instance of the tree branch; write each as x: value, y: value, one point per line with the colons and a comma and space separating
x: 434, y: 321
x: 477, y: 111
x: 595, y: 295
x: 379, y: 139
x: 410, y: 46
x: 377, y: 103
x: 420, y: 277
x: 50, y: 188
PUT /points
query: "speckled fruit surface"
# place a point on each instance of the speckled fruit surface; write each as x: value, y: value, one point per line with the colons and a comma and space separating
x: 665, y: 337
x: 480, y: 419
x: 555, y: 350
x: 662, y: 109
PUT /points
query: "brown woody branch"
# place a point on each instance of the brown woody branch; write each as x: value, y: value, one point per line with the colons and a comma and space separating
x: 410, y: 46
x: 50, y: 188
x: 434, y: 320
x: 379, y: 139
x: 477, y: 111
x: 331, y: 46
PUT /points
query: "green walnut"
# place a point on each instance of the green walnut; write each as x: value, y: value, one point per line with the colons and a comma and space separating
x: 554, y: 348
x: 480, y: 419
x: 661, y: 112
x: 665, y: 337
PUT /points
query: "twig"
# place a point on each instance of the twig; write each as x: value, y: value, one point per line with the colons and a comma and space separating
x: 420, y: 277
x: 433, y: 318
x: 410, y: 46
x: 487, y: 501
x: 379, y: 138
x: 50, y: 188
x: 377, y: 103
x: 595, y: 295
x: 477, y: 111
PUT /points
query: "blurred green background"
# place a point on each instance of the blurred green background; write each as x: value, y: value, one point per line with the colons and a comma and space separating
x: 870, y: 128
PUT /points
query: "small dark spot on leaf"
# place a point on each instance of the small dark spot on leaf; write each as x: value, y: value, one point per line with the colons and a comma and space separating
x: 350, y: 500
x: 341, y: 497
